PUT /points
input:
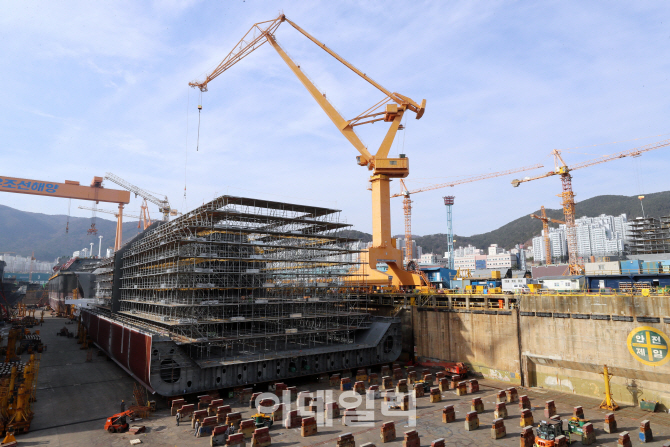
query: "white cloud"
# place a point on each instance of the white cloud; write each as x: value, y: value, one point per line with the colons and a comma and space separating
x: 96, y: 87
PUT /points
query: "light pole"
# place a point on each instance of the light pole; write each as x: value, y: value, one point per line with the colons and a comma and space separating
x: 449, y: 202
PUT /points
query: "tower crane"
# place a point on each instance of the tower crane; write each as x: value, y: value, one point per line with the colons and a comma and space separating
x: 545, y: 227
x: 390, y: 109
x: 163, y: 204
x: 568, y: 197
x: 115, y: 213
x: 407, y: 202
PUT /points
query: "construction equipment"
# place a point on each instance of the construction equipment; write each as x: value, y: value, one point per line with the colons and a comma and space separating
x: 457, y: 370
x: 407, y: 202
x: 71, y: 190
x: 163, y: 204
x: 390, y: 109
x: 608, y: 403
x: 262, y: 420
x: 115, y: 213
x: 118, y: 422
x: 568, y: 197
x: 545, y: 226
x: 145, y: 218
x: 547, y: 432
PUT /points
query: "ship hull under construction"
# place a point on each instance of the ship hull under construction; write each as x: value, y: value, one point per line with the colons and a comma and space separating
x: 236, y: 292
x: 162, y: 368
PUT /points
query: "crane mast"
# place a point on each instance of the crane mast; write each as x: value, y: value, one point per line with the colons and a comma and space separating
x: 407, y: 202
x: 390, y: 109
x: 568, y: 197
x: 545, y: 227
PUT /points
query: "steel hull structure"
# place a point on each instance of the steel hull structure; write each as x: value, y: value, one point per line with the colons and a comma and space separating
x: 163, y: 368
x: 237, y: 291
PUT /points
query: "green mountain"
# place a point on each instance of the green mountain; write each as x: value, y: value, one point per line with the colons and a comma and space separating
x: 22, y: 232
x: 524, y: 228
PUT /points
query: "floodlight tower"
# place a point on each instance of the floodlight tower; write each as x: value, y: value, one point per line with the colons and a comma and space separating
x: 449, y: 202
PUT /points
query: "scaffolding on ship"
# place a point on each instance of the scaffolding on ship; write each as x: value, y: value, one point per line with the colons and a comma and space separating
x: 241, y: 277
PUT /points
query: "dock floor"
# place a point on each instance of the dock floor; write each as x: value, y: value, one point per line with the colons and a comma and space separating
x: 75, y: 397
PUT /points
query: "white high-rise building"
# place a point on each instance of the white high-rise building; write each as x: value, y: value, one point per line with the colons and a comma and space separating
x: 596, y: 236
x: 557, y: 242
x: 416, y: 252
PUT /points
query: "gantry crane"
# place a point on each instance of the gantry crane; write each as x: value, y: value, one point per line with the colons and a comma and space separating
x: 545, y: 227
x: 71, y: 190
x: 568, y: 197
x: 390, y: 109
x: 163, y: 204
x: 407, y: 202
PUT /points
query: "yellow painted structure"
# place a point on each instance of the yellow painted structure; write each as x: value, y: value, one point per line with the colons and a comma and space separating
x: 391, y: 110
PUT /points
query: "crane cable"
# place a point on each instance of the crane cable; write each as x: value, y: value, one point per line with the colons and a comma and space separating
x: 67, y: 224
x: 197, y: 146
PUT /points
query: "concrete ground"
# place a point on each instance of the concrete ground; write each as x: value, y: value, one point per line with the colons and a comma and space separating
x: 75, y: 397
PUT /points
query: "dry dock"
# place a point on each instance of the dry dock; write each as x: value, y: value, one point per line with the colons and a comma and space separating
x: 75, y: 397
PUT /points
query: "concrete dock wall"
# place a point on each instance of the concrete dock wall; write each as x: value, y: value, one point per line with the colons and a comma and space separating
x: 488, y: 343
x: 560, y: 342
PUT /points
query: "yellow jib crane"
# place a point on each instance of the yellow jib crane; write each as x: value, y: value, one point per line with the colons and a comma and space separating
x: 568, y: 197
x: 390, y: 109
x: 545, y: 227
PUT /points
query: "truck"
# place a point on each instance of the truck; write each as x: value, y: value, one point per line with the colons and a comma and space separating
x: 518, y: 285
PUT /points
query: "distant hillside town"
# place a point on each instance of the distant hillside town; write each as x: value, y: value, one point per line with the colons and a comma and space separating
x: 601, y: 236
x: 22, y: 264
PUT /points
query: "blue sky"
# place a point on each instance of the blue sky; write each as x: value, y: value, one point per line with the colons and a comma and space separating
x: 91, y: 87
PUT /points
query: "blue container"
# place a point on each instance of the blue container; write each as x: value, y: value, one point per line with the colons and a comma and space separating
x: 630, y: 267
x: 650, y: 267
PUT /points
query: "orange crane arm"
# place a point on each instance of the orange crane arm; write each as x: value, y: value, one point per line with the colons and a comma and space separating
x: 67, y: 190
x: 623, y: 154
x: 469, y: 179
x: 548, y: 219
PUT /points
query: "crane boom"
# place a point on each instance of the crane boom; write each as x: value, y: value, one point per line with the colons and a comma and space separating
x: 163, y: 204
x: 561, y: 166
x: 390, y: 109
x: 568, y: 196
x: 470, y: 179
x: 407, y: 202
x: 116, y: 213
